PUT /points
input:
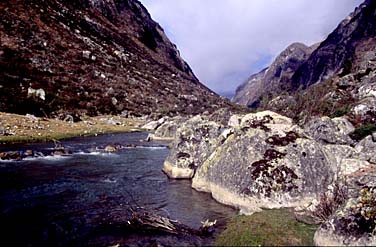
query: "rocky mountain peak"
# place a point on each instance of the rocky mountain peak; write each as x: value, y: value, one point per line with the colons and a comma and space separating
x: 275, y: 78
x: 339, y: 48
x: 329, y: 78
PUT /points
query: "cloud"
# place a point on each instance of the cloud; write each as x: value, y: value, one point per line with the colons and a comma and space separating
x: 225, y: 41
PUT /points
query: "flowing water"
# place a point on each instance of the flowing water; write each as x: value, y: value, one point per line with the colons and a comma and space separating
x: 73, y: 200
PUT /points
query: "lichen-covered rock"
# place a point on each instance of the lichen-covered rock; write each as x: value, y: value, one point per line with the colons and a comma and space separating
x: 262, y: 162
x: 332, y: 131
x: 169, y: 127
x: 234, y: 121
x: 153, y: 125
x: 194, y: 141
x: 166, y: 130
x: 265, y: 163
x: 354, y: 224
x: 367, y: 149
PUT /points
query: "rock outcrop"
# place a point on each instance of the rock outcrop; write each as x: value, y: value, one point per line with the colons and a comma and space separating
x: 93, y: 57
x: 274, y: 79
x: 263, y: 160
x: 333, y: 131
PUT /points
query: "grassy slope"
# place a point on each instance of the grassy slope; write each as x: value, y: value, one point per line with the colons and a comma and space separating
x: 276, y: 227
x: 31, y: 129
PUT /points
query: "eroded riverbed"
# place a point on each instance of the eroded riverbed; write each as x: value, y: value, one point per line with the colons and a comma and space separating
x: 74, y: 200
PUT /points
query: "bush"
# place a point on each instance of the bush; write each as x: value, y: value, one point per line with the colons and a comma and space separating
x: 330, y: 202
x: 341, y: 112
x: 363, y: 131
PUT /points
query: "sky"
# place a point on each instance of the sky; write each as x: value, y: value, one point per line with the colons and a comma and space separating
x: 225, y: 41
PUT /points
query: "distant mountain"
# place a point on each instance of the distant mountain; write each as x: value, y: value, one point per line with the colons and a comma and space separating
x: 93, y: 57
x: 344, y: 48
x: 274, y: 79
x: 335, y: 77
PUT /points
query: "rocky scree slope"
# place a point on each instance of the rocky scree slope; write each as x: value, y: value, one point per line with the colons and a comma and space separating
x: 92, y: 57
x: 338, y: 75
x: 263, y: 160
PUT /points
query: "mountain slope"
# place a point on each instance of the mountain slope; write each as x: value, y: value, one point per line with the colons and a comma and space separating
x: 339, y: 50
x: 338, y: 76
x: 92, y: 57
x: 275, y: 78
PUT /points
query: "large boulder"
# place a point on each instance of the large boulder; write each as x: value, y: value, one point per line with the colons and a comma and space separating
x: 262, y: 160
x: 167, y: 130
x: 265, y: 162
x: 331, y: 131
x: 194, y: 141
x: 153, y: 125
x: 367, y: 148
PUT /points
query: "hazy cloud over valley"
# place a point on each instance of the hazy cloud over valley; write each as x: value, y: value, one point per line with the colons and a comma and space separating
x: 225, y: 41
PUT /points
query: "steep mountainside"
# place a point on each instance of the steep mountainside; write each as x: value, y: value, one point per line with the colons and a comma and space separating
x: 354, y: 35
x: 341, y: 67
x: 92, y: 57
x: 274, y: 79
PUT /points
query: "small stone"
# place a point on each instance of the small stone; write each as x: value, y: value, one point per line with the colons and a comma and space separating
x: 3, y: 155
x: 110, y: 149
x: 86, y: 54
x: 29, y: 152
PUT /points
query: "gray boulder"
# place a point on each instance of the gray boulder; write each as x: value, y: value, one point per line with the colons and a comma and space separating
x: 265, y: 163
x: 166, y: 130
x: 153, y: 125
x: 330, y: 131
x: 262, y: 160
x: 367, y: 149
x: 169, y: 127
x: 194, y: 141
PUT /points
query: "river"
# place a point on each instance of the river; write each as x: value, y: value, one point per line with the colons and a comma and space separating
x: 72, y: 200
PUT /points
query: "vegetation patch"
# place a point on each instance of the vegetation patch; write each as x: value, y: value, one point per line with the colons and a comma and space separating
x: 277, y: 227
x: 323, y: 99
x: 363, y: 131
x: 330, y: 202
x: 360, y: 216
x: 341, y: 111
x: 28, y: 128
x: 272, y: 154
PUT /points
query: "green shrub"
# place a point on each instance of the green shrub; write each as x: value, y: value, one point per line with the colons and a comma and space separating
x: 363, y: 131
x: 341, y: 111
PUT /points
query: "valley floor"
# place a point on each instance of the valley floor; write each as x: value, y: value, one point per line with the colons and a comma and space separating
x: 19, y: 128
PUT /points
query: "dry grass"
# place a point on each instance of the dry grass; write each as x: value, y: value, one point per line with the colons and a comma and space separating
x: 31, y: 129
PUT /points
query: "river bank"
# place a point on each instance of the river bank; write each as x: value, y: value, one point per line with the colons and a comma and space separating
x: 28, y: 128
